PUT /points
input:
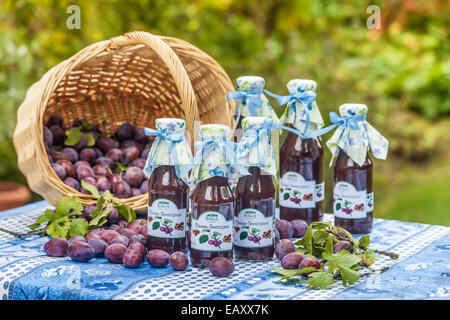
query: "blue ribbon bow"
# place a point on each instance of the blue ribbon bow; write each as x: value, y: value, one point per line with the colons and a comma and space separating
x: 228, y: 147
x: 258, y: 135
x: 304, y: 97
x: 350, y: 121
x: 170, y: 138
x: 251, y: 99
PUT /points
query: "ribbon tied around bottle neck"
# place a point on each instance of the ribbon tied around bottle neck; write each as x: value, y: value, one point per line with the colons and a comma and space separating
x: 258, y: 139
x: 251, y: 99
x: 305, y: 97
x: 226, y: 163
x: 171, y: 138
x: 355, y: 136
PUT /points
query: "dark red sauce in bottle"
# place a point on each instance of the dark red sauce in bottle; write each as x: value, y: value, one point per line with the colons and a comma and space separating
x: 254, y: 217
x: 301, y: 190
x: 353, y: 194
x: 211, y: 225
x: 167, y: 212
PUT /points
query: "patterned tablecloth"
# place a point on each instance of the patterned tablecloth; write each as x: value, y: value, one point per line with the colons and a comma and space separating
x: 422, y: 272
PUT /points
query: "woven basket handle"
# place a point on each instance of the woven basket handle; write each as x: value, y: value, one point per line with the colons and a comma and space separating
x: 176, y: 68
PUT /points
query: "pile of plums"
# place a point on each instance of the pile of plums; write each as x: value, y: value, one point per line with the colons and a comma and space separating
x: 285, y: 248
x: 114, y: 163
x: 119, y: 243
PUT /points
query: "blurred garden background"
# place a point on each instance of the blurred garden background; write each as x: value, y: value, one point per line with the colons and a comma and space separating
x: 401, y: 71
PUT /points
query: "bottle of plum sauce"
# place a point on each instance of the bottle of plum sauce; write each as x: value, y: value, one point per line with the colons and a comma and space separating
x: 353, y: 199
x: 353, y: 194
x: 211, y: 225
x: 301, y: 187
x: 168, y: 207
x: 254, y: 211
x: 168, y: 193
x: 248, y: 106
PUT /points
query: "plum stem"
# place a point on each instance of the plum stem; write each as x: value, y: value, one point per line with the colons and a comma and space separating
x: 19, y: 234
x: 392, y: 255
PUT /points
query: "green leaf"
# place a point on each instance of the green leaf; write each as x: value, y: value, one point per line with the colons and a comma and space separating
x: 338, y: 206
x: 320, y: 225
x: 203, y: 238
x: 47, y: 216
x: 216, y: 234
x: 364, y: 241
x: 155, y: 225
x: 107, y: 195
x: 369, y: 256
x: 300, y: 242
x: 286, y: 273
x: 73, y: 136
x: 320, y: 280
x: 90, y: 140
x: 329, y: 244
x: 348, y: 275
x: 126, y: 211
x: 59, y: 228
x: 286, y: 196
x: 120, y: 167
x: 89, y: 187
x: 78, y: 227
x: 243, y: 235
x: 68, y: 205
x: 100, y: 218
x: 320, y: 236
x: 307, y: 240
x: 167, y: 221
x: 300, y: 250
x: 341, y: 259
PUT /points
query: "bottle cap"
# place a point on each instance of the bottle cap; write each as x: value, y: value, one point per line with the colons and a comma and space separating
x: 300, y: 85
x: 214, y: 132
x: 250, y: 83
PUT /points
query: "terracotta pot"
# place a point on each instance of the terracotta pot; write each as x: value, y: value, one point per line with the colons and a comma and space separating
x: 13, y: 195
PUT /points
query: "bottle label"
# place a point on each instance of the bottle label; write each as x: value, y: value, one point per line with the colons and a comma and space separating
x: 165, y: 220
x: 349, y: 203
x: 252, y: 229
x: 296, y: 192
x: 211, y: 232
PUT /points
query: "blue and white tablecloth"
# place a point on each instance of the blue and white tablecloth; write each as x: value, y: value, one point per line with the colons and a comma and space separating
x: 26, y: 272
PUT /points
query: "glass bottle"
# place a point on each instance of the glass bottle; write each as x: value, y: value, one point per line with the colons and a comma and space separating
x: 301, y: 188
x: 254, y: 212
x: 353, y: 198
x: 211, y: 225
x: 168, y: 192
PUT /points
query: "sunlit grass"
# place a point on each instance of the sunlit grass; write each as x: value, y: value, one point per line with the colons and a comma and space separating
x: 420, y: 194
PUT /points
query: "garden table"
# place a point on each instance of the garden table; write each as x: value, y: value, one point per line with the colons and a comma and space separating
x: 26, y: 272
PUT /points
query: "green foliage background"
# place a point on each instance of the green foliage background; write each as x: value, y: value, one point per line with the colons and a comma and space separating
x: 401, y: 72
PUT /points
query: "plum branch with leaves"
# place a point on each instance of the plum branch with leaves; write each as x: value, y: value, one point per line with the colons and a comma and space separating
x: 65, y: 220
x: 341, y: 257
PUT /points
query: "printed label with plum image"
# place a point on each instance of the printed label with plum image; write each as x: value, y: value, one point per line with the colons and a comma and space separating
x: 320, y: 192
x: 211, y: 232
x: 349, y: 203
x: 296, y: 192
x: 252, y: 229
x: 165, y: 220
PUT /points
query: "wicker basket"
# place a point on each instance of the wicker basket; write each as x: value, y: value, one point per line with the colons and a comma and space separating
x: 136, y: 77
